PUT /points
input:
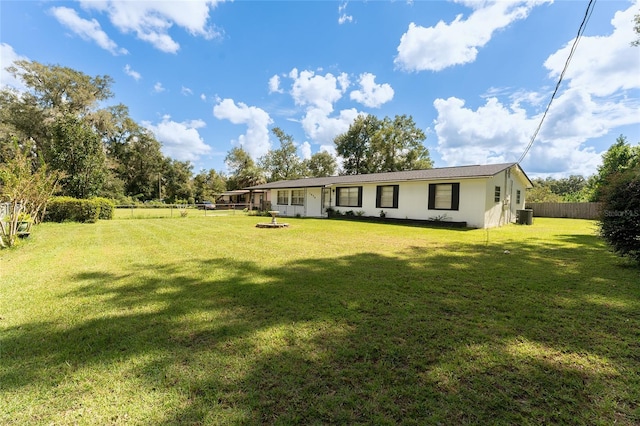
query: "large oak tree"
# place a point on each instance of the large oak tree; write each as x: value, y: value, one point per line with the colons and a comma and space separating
x: 372, y: 145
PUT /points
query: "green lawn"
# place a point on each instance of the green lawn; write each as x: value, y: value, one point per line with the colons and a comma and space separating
x: 209, y: 320
x: 169, y: 212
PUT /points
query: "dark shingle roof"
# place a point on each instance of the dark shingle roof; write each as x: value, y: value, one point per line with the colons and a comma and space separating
x: 443, y: 173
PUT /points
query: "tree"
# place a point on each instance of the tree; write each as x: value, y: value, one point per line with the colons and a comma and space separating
x: 178, y: 186
x: 620, y: 220
x: 399, y: 146
x: 354, y: 146
x: 59, y: 111
x: 139, y: 163
x: 243, y: 170
x: 208, y: 184
x: 76, y: 150
x: 20, y: 118
x: 618, y: 158
x: 542, y: 193
x: 26, y: 191
x: 282, y: 163
x: 320, y: 164
x: 551, y: 190
x: 565, y: 187
x: 62, y: 89
x: 373, y: 146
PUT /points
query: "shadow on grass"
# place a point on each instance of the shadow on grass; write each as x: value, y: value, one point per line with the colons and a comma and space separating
x: 540, y: 335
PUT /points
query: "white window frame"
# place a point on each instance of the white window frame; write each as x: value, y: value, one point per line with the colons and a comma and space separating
x: 297, y: 197
x: 282, y: 198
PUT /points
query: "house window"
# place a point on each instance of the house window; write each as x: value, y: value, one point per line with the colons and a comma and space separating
x: 297, y: 197
x: 387, y: 196
x: 518, y: 196
x: 496, y: 194
x: 349, y: 196
x: 444, y: 196
x: 283, y: 197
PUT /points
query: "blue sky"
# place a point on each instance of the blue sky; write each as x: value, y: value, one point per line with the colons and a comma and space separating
x: 205, y: 76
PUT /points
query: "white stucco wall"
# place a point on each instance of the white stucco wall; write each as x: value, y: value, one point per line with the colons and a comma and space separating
x: 498, y: 214
x: 312, y: 206
x: 413, y: 202
x: 476, y: 207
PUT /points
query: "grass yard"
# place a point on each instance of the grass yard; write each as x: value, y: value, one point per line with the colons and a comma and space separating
x: 169, y: 212
x: 209, y: 320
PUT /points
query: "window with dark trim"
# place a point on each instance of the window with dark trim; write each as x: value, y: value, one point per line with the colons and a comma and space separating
x: 496, y: 194
x: 350, y: 196
x: 283, y: 197
x: 387, y: 196
x: 297, y: 197
x: 518, y: 196
x: 444, y: 196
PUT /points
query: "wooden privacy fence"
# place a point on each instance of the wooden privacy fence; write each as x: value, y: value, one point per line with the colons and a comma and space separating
x: 567, y: 210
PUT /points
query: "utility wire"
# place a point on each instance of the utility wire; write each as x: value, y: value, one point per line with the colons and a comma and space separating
x: 583, y: 25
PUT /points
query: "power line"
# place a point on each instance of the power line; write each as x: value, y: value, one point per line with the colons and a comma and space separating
x: 583, y: 25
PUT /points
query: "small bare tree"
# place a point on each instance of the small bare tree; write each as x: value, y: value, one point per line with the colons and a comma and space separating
x: 26, y: 191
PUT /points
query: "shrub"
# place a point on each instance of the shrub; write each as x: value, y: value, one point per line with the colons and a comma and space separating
x: 107, y: 208
x: 620, y: 215
x: 61, y: 209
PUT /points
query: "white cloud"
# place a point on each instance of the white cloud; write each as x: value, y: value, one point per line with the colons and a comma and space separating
x: 86, y: 29
x: 323, y: 129
x: 151, y: 20
x: 598, y: 100
x: 558, y: 160
x: 158, y: 88
x: 576, y: 116
x: 131, y: 73
x: 274, y: 85
x: 343, y: 17
x: 7, y: 57
x: 331, y: 149
x: 309, y: 89
x: 305, y: 150
x: 256, y: 140
x: 496, y: 133
x: 203, y: 97
x: 491, y: 134
x: 447, y: 44
x: 371, y: 94
x: 602, y: 65
x: 318, y: 94
x: 180, y: 140
x: 186, y: 91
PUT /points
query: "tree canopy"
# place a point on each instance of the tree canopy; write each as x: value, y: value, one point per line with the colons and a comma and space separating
x: 620, y: 217
x: 371, y: 145
x: 621, y: 156
x: 320, y: 164
x: 99, y: 151
x: 243, y: 170
x: 282, y: 163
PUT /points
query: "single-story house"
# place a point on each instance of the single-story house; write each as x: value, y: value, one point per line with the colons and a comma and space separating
x: 483, y: 196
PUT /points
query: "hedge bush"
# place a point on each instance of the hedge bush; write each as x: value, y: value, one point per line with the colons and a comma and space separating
x: 620, y: 215
x: 61, y: 209
x: 107, y: 208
